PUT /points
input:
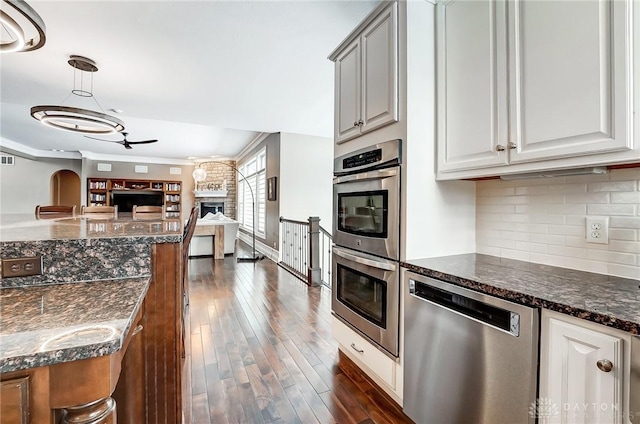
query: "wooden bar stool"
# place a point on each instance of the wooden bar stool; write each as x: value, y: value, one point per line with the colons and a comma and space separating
x: 148, y: 212
x: 103, y: 211
x: 54, y: 211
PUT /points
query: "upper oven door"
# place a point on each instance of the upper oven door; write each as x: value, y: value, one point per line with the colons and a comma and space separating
x: 367, y: 212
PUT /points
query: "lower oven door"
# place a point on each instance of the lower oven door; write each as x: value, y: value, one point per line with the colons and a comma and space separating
x: 365, y: 295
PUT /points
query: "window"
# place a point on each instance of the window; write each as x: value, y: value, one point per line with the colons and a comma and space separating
x: 254, y: 170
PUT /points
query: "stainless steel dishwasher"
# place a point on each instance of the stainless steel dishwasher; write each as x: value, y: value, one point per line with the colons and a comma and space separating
x: 468, y: 357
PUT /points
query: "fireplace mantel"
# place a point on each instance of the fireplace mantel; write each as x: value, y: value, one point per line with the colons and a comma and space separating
x: 210, y: 193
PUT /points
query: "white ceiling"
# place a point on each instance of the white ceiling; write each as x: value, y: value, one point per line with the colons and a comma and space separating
x: 203, y: 77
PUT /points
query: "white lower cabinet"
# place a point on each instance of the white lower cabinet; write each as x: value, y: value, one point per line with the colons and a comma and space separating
x: 584, y: 372
x: 382, y: 369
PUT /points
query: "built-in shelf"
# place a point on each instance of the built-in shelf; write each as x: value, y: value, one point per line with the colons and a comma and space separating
x: 101, y: 192
x: 210, y: 193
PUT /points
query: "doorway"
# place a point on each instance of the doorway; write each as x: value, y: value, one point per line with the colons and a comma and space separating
x: 65, y: 188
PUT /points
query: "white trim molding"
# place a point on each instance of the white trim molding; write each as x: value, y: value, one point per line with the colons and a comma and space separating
x: 254, y: 143
x: 18, y: 149
x: 269, y: 252
x: 9, y: 146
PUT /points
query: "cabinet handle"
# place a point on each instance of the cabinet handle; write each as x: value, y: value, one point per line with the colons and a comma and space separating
x: 499, y: 148
x: 137, y: 330
x: 360, y: 122
x: 353, y: 346
x: 512, y: 145
x: 605, y: 365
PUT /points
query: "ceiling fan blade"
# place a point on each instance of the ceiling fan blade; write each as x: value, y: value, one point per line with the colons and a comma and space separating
x: 142, y: 142
x: 102, y: 139
x: 127, y: 144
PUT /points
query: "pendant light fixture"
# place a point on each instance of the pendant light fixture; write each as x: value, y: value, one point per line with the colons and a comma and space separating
x: 77, y: 119
x: 21, y: 28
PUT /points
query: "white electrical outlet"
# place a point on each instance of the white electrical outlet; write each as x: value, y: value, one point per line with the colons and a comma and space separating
x: 597, y: 229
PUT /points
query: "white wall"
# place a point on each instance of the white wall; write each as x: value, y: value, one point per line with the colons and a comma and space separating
x: 440, y: 216
x: 27, y: 183
x: 543, y: 220
x: 306, y: 173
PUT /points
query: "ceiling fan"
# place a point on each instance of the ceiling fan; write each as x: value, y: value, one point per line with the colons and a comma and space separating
x: 126, y: 143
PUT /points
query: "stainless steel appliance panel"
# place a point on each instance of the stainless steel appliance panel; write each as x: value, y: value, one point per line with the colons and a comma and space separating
x: 634, y: 386
x: 365, y: 295
x: 381, y: 155
x: 469, y: 358
x: 367, y: 212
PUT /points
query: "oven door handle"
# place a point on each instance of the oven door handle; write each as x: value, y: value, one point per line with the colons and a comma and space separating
x: 387, y: 266
x: 363, y: 176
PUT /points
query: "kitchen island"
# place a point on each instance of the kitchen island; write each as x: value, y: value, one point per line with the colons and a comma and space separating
x: 103, y: 320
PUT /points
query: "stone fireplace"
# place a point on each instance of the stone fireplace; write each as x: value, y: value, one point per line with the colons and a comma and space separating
x: 221, y: 183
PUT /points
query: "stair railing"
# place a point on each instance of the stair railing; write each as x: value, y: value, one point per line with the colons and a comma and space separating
x: 305, y: 250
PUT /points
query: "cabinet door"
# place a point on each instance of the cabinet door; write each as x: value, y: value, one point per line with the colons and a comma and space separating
x: 380, y: 71
x: 347, y: 92
x: 14, y: 401
x: 471, y: 84
x: 572, y: 386
x: 570, y: 81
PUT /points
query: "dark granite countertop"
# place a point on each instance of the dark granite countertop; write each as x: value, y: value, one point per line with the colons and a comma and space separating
x: 45, y: 325
x: 605, y: 299
x: 21, y: 227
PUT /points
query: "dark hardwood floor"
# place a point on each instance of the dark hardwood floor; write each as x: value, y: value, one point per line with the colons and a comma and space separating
x: 259, y: 350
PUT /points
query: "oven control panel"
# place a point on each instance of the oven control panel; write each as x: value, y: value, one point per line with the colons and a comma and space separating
x: 366, y: 158
x: 381, y: 155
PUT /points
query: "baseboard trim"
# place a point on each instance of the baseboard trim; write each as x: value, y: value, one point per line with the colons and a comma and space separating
x: 269, y: 252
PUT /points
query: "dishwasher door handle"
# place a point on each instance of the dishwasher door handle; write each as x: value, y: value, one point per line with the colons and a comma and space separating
x: 468, y: 307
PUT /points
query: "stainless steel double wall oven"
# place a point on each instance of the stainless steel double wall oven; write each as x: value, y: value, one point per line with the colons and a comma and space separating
x: 366, y: 232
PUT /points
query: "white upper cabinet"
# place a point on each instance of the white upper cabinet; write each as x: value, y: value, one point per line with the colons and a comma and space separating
x: 472, y: 84
x: 348, y: 92
x: 380, y: 71
x: 570, y: 80
x: 532, y: 85
x: 366, y: 77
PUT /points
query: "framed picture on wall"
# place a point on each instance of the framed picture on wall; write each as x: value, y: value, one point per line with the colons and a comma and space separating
x: 272, y: 191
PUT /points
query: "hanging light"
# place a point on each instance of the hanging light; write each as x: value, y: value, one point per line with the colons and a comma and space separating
x: 199, y: 175
x: 76, y: 119
x: 21, y: 28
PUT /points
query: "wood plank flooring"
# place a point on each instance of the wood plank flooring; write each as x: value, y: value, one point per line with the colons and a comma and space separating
x: 259, y: 349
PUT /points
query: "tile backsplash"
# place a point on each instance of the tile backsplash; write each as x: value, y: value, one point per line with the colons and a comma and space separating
x: 543, y: 221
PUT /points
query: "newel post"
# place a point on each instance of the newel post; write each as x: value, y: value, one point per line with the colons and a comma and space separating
x: 314, y: 271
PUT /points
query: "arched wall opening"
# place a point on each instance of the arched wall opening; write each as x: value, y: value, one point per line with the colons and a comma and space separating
x: 65, y: 188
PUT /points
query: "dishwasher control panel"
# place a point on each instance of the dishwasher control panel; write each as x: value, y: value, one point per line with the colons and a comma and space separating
x: 473, y: 308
